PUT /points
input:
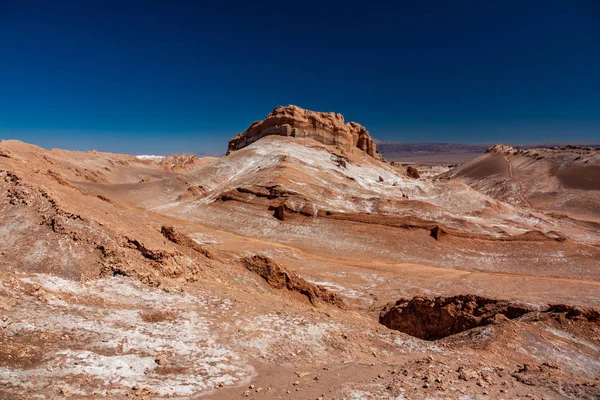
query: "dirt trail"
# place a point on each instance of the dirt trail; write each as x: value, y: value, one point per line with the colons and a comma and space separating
x: 521, y: 189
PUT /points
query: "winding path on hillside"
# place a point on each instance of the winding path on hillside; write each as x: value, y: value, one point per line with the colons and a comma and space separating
x: 521, y: 189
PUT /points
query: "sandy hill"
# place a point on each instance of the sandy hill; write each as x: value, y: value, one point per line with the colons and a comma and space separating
x: 563, y: 180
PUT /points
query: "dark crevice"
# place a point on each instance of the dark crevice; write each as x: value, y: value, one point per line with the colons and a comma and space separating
x: 435, y: 318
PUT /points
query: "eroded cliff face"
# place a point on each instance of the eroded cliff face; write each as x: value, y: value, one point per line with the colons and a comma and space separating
x: 325, y: 127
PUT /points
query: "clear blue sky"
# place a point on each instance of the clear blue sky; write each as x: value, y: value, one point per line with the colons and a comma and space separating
x: 163, y: 76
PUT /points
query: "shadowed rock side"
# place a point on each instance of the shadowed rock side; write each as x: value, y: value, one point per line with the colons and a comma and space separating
x: 435, y: 318
x: 325, y: 127
x: 279, y: 278
x: 575, y: 313
x: 412, y: 172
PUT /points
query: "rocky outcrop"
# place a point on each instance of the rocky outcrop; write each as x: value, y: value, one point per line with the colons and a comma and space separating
x: 435, y: 318
x: 180, y: 163
x: 192, y: 192
x: 501, y: 149
x: 179, y: 238
x: 278, y: 277
x: 325, y: 127
x: 412, y: 172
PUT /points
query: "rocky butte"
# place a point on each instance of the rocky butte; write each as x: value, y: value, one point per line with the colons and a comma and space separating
x: 325, y: 127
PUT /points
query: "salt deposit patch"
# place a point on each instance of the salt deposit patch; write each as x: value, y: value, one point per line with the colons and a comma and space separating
x: 287, y: 337
x: 149, y: 157
x: 357, y: 391
x: 203, y: 238
x: 104, y: 339
x: 341, y: 290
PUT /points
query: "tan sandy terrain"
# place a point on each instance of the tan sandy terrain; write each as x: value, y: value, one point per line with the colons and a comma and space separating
x: 564, y: 181
x: 298, y: 266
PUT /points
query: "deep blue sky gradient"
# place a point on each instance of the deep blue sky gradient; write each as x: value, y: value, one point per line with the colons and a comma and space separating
x: 164, y: 76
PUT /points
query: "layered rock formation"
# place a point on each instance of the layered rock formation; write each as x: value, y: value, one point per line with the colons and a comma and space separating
x: 325, y: 127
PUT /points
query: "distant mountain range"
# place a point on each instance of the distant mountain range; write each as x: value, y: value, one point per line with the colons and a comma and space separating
x: 450, y: 153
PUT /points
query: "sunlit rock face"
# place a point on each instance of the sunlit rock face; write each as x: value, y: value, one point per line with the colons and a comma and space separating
x: 325, y: 127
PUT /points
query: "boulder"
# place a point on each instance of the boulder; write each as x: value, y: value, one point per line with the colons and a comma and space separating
x: 412, y: 172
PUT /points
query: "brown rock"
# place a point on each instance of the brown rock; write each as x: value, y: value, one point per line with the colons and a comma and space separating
x: 279, y: 212
x: 280, y: 278
x: 466, y: 374
x: 325, y: 127
x: 434, y: 318
x: 181, y: 239
x: 412, y: 172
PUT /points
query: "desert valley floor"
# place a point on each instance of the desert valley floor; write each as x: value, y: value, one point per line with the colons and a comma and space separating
x: 301, y: 265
